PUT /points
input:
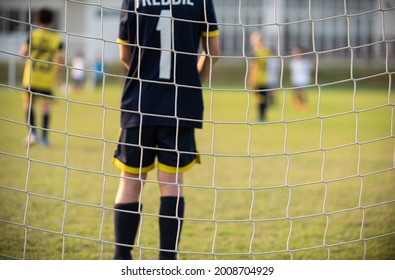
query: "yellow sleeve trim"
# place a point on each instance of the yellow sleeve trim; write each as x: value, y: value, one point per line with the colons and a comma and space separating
x: 119, y: 40
x: 211, y: 34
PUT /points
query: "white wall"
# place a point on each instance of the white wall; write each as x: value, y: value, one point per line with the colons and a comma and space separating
x: 94, y: 29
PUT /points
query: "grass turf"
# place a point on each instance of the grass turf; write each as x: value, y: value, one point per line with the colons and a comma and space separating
x: 314, y: 184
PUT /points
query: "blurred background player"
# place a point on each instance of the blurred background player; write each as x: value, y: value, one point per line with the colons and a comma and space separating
x: 43, y: 48
x: 159, y: 118
x: 300, y: 67
x: 258, y: 76
x: 99, y: 68
x: 273, y: 69
x: 77, y: 72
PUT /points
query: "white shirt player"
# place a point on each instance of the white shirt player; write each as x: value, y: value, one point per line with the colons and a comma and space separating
x: 300, y: 71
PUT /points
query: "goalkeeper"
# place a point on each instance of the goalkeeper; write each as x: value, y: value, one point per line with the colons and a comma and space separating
x: 161, y: 106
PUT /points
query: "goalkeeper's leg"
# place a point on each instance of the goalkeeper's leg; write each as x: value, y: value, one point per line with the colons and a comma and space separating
x: 171, y: 213
x: 127, y: 214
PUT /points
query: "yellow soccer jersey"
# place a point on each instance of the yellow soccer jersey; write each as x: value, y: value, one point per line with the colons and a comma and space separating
x: 40, y: 72
x: 261, y: 75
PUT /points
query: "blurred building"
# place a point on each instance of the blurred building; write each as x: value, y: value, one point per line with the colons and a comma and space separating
x: 87, y: 25
x: 334, y: 28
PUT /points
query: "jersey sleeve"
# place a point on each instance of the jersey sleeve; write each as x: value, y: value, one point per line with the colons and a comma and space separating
x: 123, y: 23
x: 211, y: 27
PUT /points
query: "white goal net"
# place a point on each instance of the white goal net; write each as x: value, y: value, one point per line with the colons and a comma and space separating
x: 312, y: 179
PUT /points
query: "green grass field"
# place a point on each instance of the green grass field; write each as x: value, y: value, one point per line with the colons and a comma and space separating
x: 317, y: 184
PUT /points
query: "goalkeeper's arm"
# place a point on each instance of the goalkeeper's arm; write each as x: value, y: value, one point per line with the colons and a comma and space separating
x: 125, y: 55
x: 209, y: 56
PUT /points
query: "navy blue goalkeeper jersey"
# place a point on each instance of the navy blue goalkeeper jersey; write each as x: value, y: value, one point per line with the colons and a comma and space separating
x: 163, y: 85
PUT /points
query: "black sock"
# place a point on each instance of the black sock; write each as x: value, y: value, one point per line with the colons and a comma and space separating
x: 170, y: 228
x: 125, y: 229
x: 30, y: 119
x: 262, y: 110
x: 45, y: 124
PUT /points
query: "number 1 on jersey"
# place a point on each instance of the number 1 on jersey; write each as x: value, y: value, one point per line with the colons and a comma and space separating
x: 164, y: 27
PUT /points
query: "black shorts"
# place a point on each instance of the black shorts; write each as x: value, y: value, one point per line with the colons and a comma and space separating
x: 35, y: 93
x: 39, y: 92
x: 263, y: 91
x: 137, y: 149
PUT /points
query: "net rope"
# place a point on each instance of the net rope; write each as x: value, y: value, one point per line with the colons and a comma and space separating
x: 221, y: 216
